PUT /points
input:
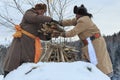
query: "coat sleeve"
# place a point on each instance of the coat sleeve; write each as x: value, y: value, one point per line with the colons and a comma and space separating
x: 34, y: 18
x: 69, y: 22
x: 79, y: 28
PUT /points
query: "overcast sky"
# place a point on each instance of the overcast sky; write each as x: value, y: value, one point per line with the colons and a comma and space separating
x: 106, y: 14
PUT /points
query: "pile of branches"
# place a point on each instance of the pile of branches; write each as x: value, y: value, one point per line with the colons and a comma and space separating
x: 59, y: 53
x: 56, y: 52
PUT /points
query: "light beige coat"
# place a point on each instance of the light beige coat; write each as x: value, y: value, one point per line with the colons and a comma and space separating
x: 84, y: 27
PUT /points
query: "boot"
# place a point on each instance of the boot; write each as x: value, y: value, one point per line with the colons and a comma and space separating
x: 5, y: 73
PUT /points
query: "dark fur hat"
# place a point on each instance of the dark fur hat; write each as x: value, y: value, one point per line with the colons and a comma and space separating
x: 41, y: 6
x: 81, y: 11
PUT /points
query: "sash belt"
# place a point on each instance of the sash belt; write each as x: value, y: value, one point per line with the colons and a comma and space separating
x: 95, y: 36
x: 38, y: 46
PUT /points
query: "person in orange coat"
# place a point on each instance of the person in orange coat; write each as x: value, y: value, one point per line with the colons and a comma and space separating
x: 94, y: 46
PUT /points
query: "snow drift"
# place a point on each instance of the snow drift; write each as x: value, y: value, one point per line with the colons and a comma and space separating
x: 57, y: 71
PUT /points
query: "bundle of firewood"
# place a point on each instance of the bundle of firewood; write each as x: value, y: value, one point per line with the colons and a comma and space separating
x: 51, y: 28
x: 59, y: 53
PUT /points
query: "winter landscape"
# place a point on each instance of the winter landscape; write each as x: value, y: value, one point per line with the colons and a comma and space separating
x: 113, y: 48
x: 56, y: 71
x: 12, y: 12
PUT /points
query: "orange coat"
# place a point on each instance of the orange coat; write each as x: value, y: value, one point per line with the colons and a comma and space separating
x: 84, y: 27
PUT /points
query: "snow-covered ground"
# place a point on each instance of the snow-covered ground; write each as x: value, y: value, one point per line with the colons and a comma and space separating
x: 56, y: 71
x: 1, y: 77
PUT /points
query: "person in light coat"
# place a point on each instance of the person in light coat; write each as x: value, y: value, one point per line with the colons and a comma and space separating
x: 94, y: 46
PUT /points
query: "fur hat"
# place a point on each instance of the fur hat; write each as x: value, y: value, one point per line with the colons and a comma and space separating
x: 41, y: 6
x: 81, y: 11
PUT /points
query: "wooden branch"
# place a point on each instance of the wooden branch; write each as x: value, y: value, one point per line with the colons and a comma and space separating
x: 58, y: 53
x: 18, y: 7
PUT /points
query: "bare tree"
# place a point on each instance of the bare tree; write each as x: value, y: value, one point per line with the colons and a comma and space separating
x: 6, y: 18
x: 56, y: 9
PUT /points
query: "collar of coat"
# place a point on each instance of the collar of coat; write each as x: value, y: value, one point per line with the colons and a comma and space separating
x: 83, y: 18
x: 33, y: 10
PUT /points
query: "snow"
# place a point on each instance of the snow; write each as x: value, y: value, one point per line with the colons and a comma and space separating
x: 6, y: 36
x: 56, y: 71
x: 1, y: 77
